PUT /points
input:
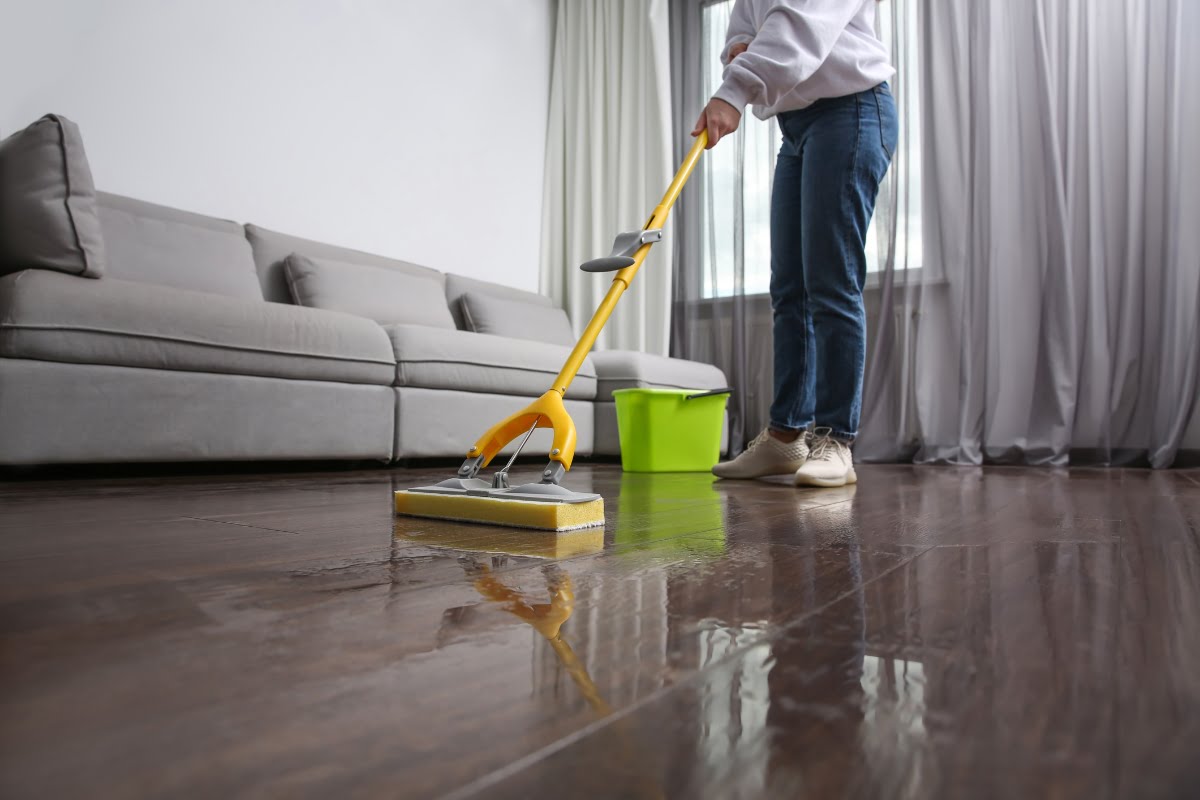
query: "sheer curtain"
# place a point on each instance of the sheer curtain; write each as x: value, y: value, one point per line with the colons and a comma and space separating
x: 721, y: 313
x: 890, y: 428
x: 1035, y: 252
x: 608, y: 160
x: 1055, y: 318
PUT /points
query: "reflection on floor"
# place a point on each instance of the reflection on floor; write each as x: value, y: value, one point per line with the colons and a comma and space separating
x: 929, y: 633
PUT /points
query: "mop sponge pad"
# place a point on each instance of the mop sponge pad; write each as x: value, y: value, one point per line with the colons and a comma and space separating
x: 502, y: 511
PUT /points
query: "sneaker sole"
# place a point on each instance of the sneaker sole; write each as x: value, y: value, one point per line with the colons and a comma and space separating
x: 826, y: 483
x: 781, y: 471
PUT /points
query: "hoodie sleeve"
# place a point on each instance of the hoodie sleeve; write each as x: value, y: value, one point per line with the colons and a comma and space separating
x: 741, y: 28
x: 795, y: 39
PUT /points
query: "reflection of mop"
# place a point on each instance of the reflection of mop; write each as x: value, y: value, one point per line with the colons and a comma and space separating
x: 547, y: 619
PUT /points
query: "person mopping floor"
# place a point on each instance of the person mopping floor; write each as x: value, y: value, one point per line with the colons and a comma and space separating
x: 818, y: 66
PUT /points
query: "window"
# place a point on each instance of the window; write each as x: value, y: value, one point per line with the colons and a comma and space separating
x: 736, y: 259
x: 897, y: 25
x: 737, y: 183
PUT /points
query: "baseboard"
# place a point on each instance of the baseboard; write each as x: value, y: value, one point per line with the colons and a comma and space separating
x: 1186, y: 459
x: 1078, y: 457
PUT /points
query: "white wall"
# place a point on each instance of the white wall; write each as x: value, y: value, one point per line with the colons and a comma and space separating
x: 410, y: 128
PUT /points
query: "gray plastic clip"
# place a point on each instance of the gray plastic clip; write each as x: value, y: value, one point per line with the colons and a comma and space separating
x: 624, y: 246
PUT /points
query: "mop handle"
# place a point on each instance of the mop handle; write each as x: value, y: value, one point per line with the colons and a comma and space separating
x: 623, y: 277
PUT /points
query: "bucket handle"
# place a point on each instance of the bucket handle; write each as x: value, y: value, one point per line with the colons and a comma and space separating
x: 710, y: 393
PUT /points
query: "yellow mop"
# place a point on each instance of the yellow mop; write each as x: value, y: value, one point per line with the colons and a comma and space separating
x: 546, y: 505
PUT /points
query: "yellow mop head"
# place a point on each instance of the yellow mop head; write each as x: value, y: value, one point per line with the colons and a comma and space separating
x: 513, y: 513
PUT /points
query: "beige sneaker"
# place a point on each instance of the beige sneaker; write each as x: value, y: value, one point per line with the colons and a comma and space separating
x: 829, y: 463
x: 766, y: 455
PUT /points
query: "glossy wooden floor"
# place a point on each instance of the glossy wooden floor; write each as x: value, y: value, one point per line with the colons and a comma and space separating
x: 933, y: 632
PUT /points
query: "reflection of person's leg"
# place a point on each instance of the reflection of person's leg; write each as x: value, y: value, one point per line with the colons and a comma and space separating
x: 845, y: 158
x: 791, y: 411
x: 815, y: 685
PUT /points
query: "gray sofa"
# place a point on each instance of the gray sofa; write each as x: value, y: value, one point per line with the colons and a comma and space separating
x: 190, y: 346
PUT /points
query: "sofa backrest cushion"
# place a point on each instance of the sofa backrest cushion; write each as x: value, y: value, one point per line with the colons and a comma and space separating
x: 156, y: 244
x: 48, y: 215
x: 388, y: 296
x: 271, y: 249
x: 457, y: 286
x: 516, y: 319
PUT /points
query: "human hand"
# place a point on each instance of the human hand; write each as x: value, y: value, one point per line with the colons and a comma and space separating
x: 718, y: 118
x: 737, y: 50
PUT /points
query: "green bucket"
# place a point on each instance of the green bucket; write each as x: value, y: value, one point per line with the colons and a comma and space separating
x: 670, y: 430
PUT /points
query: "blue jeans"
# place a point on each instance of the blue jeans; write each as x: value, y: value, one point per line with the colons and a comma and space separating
x: 834, y: 154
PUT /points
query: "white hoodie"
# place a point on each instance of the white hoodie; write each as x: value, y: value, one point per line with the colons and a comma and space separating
x: 801, y: 51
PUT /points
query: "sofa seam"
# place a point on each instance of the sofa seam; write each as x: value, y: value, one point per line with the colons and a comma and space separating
x: 8, y: 313
x: 66, y: 166
x: 400, y: 362
x: 287, y: 276
x: 196, y: 342
x: 39, y: 360
x: 567, y: 398
x: 465, y: 310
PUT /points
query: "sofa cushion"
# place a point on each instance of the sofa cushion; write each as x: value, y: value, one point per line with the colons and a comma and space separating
x: 387, y: 296
x: 54, y: 317
x: 457, y: 286
x: 48, y: 213
x: 156, y: 244
x: 433, y: 358
x: 626, y: 369
x: 271, y: 250
x: 516, y: 319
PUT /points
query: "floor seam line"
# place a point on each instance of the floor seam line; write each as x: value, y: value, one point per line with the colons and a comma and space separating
x: 240, y: 525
